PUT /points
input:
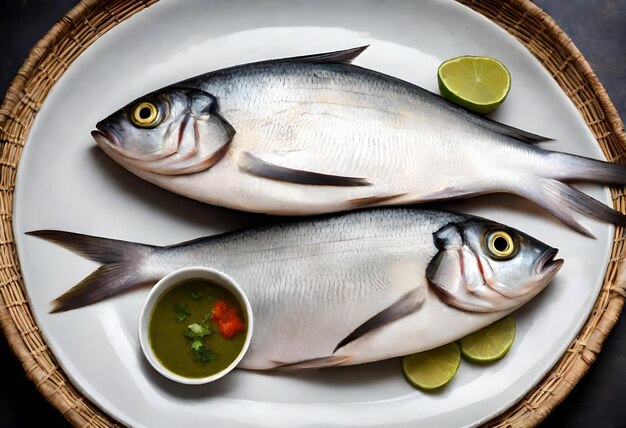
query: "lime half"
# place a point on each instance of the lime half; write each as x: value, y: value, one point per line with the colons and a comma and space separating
x: 434, y: 368
x: 477, y: 83
x: 491, y: 343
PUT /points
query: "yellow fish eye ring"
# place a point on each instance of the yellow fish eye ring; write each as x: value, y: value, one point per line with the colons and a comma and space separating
x: 501, y: 245
x: 145, y: 114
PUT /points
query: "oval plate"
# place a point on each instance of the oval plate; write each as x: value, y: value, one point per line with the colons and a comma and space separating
x: 65, y: 182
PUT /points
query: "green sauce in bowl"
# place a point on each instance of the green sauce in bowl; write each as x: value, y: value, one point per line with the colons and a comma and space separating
x: 195, y: 325
x: 184, y: 335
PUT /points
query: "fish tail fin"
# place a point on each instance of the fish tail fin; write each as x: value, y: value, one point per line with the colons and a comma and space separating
x: 579, y: 168
x: 562, y: 200
x: 123, y: 267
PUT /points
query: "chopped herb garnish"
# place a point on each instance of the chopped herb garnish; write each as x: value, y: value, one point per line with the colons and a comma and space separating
x: 182, y: 311
x: 203, y: 352
x: 197, y: 331
x: 195, y: 295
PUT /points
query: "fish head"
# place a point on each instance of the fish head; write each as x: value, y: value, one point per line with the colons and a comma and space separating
x: 484, y: 266
x: 171, y: 132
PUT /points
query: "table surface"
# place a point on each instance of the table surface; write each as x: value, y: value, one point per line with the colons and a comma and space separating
x: 597, y: 27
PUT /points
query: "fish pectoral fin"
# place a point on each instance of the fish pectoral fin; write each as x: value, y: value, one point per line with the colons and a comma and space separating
x: 405, y: 306
x: 314, y: 363
x: 258, y: 167
x: 344, y: 56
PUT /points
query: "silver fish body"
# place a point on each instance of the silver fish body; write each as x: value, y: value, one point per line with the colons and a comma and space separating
x: 343, y: 289
x: 317, y: 134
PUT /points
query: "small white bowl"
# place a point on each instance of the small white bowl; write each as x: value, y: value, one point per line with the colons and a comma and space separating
x: 171, y: 280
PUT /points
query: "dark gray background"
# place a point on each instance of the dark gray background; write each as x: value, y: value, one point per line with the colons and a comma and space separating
x: 598, y: 28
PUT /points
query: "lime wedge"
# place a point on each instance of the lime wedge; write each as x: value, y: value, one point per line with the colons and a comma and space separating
x: 477, y: 83
x: 491, y: 343
x: 434, y: 368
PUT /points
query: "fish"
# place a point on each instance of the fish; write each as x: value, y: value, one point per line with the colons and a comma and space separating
x: 342, y: 289
x: 317, y: 134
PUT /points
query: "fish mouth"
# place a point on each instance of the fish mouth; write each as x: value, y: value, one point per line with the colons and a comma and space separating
x: 102, y: 133
x: 547, y: 264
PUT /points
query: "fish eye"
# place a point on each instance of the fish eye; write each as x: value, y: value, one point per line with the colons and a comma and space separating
x: 500, y: 245
x: 145, y: 115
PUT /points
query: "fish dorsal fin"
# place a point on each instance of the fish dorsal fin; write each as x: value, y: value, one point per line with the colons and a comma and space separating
x: 345, y: 56
x: 518, y: 134
x: 501, y: 128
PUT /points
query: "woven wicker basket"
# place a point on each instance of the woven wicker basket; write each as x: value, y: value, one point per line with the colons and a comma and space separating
x: 49, y: 59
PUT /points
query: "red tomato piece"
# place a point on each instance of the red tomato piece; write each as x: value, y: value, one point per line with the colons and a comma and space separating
x: 230, y: 325
x: 219, y: 310
x: 231, y: 312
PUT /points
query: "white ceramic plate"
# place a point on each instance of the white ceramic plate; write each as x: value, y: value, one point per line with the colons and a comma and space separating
x: 65, y: 182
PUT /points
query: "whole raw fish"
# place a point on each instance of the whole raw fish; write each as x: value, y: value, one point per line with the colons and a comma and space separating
x: 343, y: 289
x: 315, y: 134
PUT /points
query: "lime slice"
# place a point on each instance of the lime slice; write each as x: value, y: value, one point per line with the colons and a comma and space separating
x: 477, y: 83
x: 491, y: 343
x: 434, y: 368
